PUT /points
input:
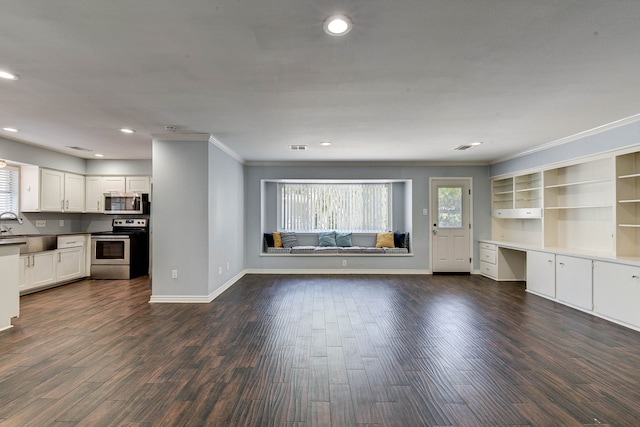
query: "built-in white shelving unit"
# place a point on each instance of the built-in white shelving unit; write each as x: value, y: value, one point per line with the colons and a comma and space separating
x: 628, y: 206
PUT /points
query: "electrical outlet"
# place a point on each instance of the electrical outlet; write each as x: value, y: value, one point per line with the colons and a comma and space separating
x: 174, y: 274
x: 41, y: 223
x: 344, y: 262
x: 61, y: 223
x: 228, y: 266
x: 219, y: 270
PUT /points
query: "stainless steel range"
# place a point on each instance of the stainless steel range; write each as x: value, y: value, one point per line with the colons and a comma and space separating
x: 123, y: 252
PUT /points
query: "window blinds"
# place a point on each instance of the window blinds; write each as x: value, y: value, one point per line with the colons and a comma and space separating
x: 9, y: 190
x: 363, y: 207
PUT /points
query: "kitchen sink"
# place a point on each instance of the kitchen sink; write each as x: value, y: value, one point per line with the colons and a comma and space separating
x: 32, y: 242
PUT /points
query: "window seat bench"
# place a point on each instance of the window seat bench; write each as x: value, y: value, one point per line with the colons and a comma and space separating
x: 362, y: 244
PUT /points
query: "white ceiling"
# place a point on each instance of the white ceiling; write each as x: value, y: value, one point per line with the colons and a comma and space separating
x: 413, y: 80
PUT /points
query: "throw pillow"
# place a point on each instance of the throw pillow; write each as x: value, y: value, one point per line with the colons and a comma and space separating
x: 268, y: 237
x: 398, y: 239
x: 277, y: 240
x: 343, y: 240
x: 289, y: 239
x: 384, y: 240
x: 327, y: 238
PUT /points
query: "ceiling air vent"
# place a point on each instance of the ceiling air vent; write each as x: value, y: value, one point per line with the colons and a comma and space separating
x: 79, y: 148
x: 463, y: 147
x: 297, y: 147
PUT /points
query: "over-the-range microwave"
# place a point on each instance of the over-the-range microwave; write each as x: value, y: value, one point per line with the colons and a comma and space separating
x: 126, y: 203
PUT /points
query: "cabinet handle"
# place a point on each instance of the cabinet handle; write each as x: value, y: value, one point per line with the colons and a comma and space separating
x: 62, y: 204
x: 67, y: 204
x: 561, y: 264
x: 98, y: 204
x: 59, y: 258
x: 549, y: 261
x: 635, y: 277
x: 33, y: 261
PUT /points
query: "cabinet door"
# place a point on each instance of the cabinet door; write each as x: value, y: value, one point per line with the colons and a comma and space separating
x: 616, y: 292
x: 51, y: 190
x: 93, y: 194
x: 23, y: 272
x: 70, y: 264
x: 574, y: 281
x: 73, y: 193
x: 541, y: 273
x: 43, y: 269
x: 113, y: 184
x: 138, y: 184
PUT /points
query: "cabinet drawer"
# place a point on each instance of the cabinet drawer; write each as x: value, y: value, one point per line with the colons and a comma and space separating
x: 488, y: 246
x: 489, y: 270
x: 487, y: 255
x: 70, y: 241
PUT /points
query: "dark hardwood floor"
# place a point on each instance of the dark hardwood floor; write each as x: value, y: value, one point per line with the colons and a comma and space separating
x: 316, y: 351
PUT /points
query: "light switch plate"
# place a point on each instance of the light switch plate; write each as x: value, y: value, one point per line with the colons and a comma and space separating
x: 41, y: 223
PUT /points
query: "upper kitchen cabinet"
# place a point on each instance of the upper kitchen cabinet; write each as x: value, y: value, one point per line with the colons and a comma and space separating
x: 46, y: 190
x: 138, y: 184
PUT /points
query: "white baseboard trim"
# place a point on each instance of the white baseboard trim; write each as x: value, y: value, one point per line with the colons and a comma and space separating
x: 334, y: 271
x: 197, y: 299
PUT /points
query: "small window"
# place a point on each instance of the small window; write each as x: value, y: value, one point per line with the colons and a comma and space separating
x: 9, y: 189
x: 450, y: 207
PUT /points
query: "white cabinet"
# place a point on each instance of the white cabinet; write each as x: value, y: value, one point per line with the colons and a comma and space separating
x: 46, y: 190
x: 541, y: 273
x: 71, y: 257
x: 73, y: 193
x: 37, y: 270
x: 114, y: 184
x: 70, y: 264
x: 138, y: 184
x: 574, y: 277
x: 51, y: 190
x: 93, y: 194
x: 616, y: 292
x: 488, y: 258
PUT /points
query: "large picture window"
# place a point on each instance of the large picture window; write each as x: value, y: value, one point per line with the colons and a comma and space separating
x: 9, y: 189
x: 348, y: 206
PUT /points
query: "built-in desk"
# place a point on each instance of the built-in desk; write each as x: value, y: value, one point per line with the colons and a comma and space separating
x: 503, y: 262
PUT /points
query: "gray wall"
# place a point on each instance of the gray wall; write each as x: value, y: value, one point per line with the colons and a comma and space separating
x: 608, y: 140
x: 118, y: 167
x: 420, y: 224
x: 198, y: 216
x: 226, y: 214
x: 32, y: 155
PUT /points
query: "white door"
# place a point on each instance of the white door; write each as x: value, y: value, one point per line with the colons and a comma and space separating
x: 451, y: 225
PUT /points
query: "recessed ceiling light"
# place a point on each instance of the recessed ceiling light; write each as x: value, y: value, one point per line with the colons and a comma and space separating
x: 475, y: 144
x: 337, y: 25
x: 10, y: 129
x: 98, y: 155
x: 325, y: 143
x: 127, y: 130
x: 7, y: 75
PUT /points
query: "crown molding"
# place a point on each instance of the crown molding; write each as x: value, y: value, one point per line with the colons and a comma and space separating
x: 594, y: 131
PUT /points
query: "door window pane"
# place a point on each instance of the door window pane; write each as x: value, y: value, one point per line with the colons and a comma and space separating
x: 450, y: 207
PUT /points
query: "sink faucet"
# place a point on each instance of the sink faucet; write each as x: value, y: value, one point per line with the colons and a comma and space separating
x: 14, y: 215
